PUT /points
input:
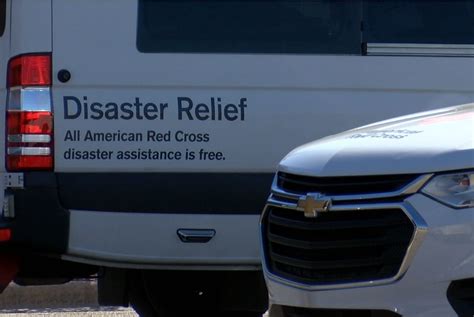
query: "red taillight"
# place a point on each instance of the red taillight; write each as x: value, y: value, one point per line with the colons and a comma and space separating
x: 34, y: 162
x: 29, y: 70
x: 5, y: 235
x: 29, y: 117
x: 29, y: 122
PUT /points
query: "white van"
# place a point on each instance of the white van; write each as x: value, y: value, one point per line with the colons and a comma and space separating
x: 142, y: 135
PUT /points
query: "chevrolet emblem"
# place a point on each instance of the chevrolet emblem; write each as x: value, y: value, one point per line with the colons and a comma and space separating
x: 314, y: 203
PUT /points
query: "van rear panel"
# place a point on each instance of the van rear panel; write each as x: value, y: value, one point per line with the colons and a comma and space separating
x: 31, y: 25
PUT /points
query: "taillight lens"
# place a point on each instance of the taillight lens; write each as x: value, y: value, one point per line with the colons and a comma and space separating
x: 31, y: 162
x: 29, y: 122
x: 29, y: 140
x: 29, y: 117
x: 29, y: 70
x: 5, y: 235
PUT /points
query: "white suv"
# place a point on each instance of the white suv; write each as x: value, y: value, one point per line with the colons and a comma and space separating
x: 376, y: 221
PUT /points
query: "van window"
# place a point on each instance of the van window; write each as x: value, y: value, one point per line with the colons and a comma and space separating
x: 419, y: 21
x: 3, y: 16
x: 248, y: 26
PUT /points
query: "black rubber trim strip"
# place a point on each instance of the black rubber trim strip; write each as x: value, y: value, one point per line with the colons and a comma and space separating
x: 40, y: 221
x: 5, y: 223
x: 41, y: 224
x: 189, y: 193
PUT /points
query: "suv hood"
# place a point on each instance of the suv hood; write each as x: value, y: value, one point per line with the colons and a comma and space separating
x: 425, y: 142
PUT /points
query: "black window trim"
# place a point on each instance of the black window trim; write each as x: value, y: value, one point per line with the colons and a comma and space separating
x: 3, y: 16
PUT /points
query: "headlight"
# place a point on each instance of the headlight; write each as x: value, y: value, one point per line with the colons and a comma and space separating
x: 455, y: 190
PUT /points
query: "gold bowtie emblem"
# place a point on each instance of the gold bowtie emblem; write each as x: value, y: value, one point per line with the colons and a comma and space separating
x: 314, y: 203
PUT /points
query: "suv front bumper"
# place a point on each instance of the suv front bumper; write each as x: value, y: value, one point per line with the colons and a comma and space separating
x: 446, y: 254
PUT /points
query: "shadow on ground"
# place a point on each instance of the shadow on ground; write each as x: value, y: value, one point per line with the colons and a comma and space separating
x: 71, y: 295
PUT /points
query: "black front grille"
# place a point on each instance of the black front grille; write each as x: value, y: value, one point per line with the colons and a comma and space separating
x: 336, y: 247
x: 350, y: 185
x: 461, y: 297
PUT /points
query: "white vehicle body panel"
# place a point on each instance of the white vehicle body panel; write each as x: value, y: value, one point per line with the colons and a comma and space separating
x: 290, y: 98
x: 31, y: 23
x: 108, y: 237
x: 421, y: 143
